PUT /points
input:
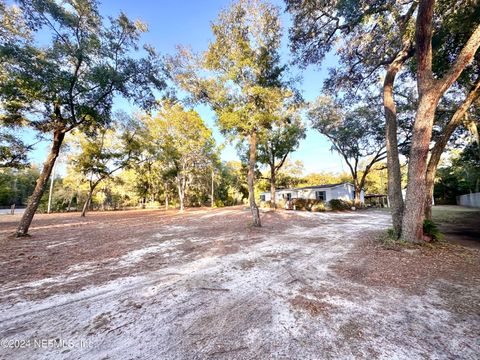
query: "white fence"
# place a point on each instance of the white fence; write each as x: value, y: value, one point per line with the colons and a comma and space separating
x: 470, y: 200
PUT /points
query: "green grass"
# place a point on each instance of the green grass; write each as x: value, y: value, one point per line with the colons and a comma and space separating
x: 451, y: 214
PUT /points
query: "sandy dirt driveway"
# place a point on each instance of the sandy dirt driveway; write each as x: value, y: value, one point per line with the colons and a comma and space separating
x: 204, y: 285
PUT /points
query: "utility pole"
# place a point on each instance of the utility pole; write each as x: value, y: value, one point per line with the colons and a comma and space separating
x: 49, y: 208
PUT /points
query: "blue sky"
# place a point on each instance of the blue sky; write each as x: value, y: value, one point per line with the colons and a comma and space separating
x: 188, y: 22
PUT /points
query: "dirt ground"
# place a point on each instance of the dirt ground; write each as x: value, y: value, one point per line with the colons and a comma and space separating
x: 204, y: 285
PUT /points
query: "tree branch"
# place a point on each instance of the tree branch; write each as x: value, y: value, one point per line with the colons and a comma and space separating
x: 464, y: 59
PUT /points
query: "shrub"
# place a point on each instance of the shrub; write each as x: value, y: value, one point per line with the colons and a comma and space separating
x: 308, y: 204
x: 299, y: 204
x: 340, y: 205
x: 431, y: 229
x: 219, y: 203
x: 319, y: 207
x: 264, y: 204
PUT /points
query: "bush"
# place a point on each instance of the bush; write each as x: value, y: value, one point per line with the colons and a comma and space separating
x: 320, y: 207
x: 219, y: 203
x: 264, y: 204
x: 308, y: 204
x: 340, y: 205
x: 299, y: 204
x: 431, y: 229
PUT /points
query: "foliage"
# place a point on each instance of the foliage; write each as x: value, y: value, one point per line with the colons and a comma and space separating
x: 320, y: 207
x: 307, y: 204
x: 231, y: 186
x: 185, y: 147
x: 13, y: 151
x: 391, y: 241
x: 71, y: 80
x: 431, y: 229
x: 68, y: 73
x: 239, y: 75
x: 16, y: 185
x: 366, y: 35
x: 340, y: 205
x: 461, y: 176
x: 324, y: 178
x: 290, y: 174
x: 276, y: 144
x: 105, y: 151
x: 356, y: 134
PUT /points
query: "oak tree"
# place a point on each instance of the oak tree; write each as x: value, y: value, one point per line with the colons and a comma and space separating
x: 356, y: 134
x: 274, y: 147
x: 240, y: 76
x: 69, y: 81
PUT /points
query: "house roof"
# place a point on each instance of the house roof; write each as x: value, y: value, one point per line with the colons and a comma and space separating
x: 323, y: 186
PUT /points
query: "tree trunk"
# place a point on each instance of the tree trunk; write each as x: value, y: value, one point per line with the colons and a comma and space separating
x: 357, y: 199
x: 181, y: 195
x: 429, y: 187
x: 213, y: 189
x: 34, y: 200
x: 166, y: 197
x: 442, y: 141
x: 87, y: 202
x: 273, y: 180
x: 429, y: 92
x: 251, y: 179
x: 393, y: 162
x: 50, y: 192
x: 69, y: 205
x: 429, y: 95
x: 412, y: 225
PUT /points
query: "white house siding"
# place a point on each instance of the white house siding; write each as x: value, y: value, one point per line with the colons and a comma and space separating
x: 342, y: 191
x: 279, y: 194
x: 346, y: 192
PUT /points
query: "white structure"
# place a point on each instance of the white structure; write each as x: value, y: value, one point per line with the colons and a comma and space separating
x: 343, y: 191
x: 470, y: 200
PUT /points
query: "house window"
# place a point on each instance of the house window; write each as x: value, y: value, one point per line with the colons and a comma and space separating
x: 287, y: 196
x: 262, y: 197
x: 320, y: 195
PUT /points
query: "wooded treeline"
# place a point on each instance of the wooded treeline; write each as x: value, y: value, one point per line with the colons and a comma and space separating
x: 405, y: 89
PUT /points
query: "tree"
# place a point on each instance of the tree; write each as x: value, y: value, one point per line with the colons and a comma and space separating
x: 384, y: 29
x: 290, y: 174
x: 430, y: 91
x: 70, y: 82
x: 356, y: 135
x: 461, y: 176
x: 376, y: 181
x: 372, y: 38
x: 442, y: 139
x: 16, y: 185
x: 232, y: 189
x: 447, y: 42
x: 105, y: 152
x: 13, y: 151
x: 324, y: 178
x: 244, y: 78
x: 186, y: 145
x: 275, y: 146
